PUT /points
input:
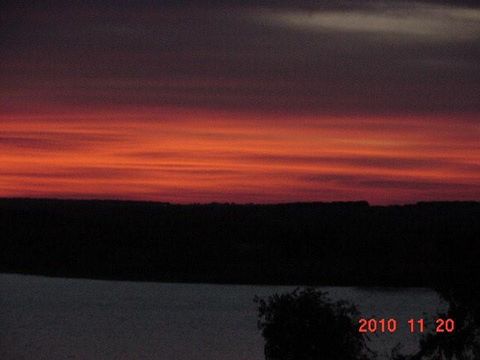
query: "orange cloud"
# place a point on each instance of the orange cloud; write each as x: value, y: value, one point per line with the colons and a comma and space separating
x: 203, y: 156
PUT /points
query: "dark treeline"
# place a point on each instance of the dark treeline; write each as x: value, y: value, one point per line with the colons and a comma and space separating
x: 299, y: 243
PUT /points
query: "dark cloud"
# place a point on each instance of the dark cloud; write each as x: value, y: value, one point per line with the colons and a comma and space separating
x: 82, y: 173
x: 19, y: 142
x: 301, y: 57
x: 54, y: 141
x: 367, y: 162
x: 368, y: 182
x: 418, y: 185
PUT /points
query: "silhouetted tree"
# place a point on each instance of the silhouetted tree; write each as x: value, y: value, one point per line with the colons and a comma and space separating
x: 464, y: 342
x: 306, y: 325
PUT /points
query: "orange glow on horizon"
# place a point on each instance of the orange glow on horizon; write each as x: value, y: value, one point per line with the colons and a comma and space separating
x: 204, y: 156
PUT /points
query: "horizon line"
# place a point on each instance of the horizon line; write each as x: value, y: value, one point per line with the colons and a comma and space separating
x: 336, y: 202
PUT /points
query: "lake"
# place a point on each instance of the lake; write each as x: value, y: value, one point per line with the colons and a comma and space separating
x: 53, y: 318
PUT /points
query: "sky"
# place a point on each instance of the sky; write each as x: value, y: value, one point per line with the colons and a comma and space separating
x: 252, y: 101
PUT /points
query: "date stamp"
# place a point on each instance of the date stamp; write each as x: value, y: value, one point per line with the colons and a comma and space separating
x: 391, y: 325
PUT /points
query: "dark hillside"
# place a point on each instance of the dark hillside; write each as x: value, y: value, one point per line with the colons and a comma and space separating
x: 315, y: 243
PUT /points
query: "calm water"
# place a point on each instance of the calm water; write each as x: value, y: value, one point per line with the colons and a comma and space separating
x: 47, y: 318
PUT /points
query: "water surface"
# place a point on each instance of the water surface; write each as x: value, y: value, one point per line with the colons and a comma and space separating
x: 52, y: 318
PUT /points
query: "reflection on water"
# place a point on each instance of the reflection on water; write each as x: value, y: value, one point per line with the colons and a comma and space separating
x: 90, y: 319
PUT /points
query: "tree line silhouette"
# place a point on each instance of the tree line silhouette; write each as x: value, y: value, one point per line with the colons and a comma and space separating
x: 299, y: 243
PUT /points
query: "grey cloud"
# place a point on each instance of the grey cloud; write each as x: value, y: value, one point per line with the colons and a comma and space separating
x: 418, y: 21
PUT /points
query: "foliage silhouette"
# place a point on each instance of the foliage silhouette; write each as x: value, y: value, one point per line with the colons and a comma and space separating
x: 464, y: 342
x: 299, y: 243
x: 306, y: 325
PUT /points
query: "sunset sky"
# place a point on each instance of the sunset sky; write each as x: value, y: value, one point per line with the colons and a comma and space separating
x: 252, y: 101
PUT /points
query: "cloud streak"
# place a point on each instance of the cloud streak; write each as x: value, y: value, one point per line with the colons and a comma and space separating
x: 413, y: 20
x: 211, y: 156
